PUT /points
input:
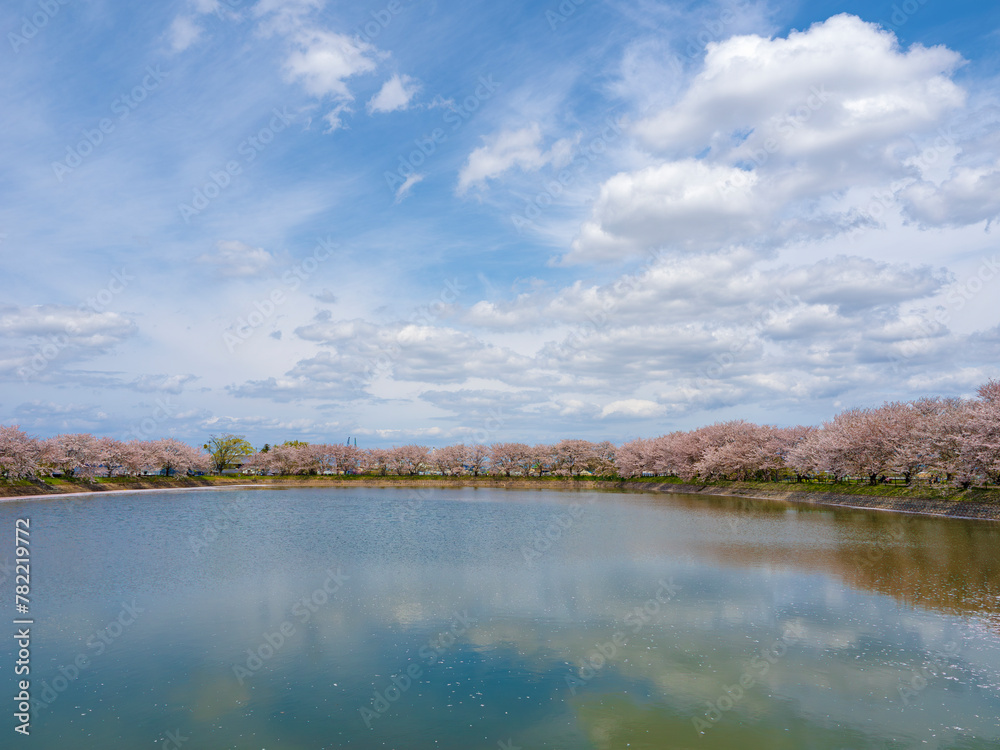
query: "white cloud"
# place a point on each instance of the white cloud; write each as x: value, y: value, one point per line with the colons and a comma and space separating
x: 481, y: 403
x: 80, y: 327
x: 633, y: 407
x: 726, y: 288
x: 689, y: 204
x: 407, y: 185
x: 184, y: 32
x: 509, y: 149
x: 333, y: 118
x: 326, y: 296
x: 234, y: 258
x: 396, y: 93
x: 769, y: 134
x: 848, y: 80
x: 185, y: 29
x: 47, y: 338
x: 162, y: 383
x: 67, y: 417
x: 324, y: 60
x: 421, y: 353
x: 969, y: 195
x: 284, y: 16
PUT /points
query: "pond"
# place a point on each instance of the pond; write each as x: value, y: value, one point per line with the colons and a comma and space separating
x: 479, y: 618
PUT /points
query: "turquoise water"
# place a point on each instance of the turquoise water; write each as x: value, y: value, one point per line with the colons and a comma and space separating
x: 446, y: 619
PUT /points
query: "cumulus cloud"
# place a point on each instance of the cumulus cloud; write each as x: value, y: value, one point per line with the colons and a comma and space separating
x: 297, y: 428
x: 162, y: 383
x: 44, y: 339
x: 841, y: 82
x: 67, y: 417
x: 286, y: 389
x: 358, y: 352
x: 688, y: 204
x: 423, y: 353
x: 687, y: 333
x: 774, y: 143
x: 768, y: 130
x: 853, y: 283
x: 723, y: 287
x: 482, y: 403
x: 77, y: 327
x: 508, y: 149
x: 708, y: 331
x: 632, y: 407
x: 395, y: 94
x: 322, y: 61
x: 969, y: 195
x: 233, y: 258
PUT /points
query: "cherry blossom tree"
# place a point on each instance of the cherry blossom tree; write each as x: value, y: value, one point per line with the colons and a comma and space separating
x: 348, y: 458
x: 572, y: 455
x: 137, y: 458
x: 19, y: 453
x: 944, y: 430
x: 322, y: 458
x: 857, y: 442
x: 917, y: 426
x: 477, y: 457
x: 543, y: 457
x: 408, y: 459
x: 602, y: 458
x: 374, y: 461
x: 786, y: 439
x: 112, y: 454
x: 170, y: 455
x: 449, y: 459
x: 982, y: 437
x: 291, y: 458
x: 743, y: 450
x: 634, y: 458
x: 677, y: 453
x: 504, y: 458
x: 75, y: 455
x: 260, y: 463
x: 807, y: 456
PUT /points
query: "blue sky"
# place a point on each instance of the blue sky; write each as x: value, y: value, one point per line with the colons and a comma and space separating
x: 441, y: 222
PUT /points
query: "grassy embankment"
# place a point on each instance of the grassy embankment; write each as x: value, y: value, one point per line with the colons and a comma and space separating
x: 56, y: 486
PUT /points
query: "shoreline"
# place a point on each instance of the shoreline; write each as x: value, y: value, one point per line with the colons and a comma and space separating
x: 958, y: 506
x: 928, y: 507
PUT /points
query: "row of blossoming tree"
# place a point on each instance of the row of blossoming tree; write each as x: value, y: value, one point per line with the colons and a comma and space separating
x: 568, y: 457
x: 83, y: 455
x: 947, y: 439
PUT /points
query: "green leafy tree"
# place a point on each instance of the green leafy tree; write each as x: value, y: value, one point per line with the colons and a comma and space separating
x: 226, y: 449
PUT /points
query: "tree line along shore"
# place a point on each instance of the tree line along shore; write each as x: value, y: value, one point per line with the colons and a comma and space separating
x: 932, y: 441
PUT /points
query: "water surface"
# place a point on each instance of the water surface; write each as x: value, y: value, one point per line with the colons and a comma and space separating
x: 479, y: 618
